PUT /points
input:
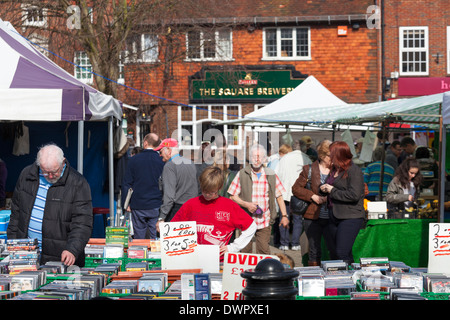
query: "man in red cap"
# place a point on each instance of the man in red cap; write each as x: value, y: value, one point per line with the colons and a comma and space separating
x: 179, y: 179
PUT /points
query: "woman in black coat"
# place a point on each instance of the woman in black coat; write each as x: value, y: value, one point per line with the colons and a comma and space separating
x: 345, y: 186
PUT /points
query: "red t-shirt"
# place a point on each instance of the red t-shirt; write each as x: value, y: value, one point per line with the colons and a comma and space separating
x: 216, y: 219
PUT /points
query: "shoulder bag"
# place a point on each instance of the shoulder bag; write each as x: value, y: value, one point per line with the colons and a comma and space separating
x: 299, y: 206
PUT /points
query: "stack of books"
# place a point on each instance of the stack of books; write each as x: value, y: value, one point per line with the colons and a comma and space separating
x: 117, y: 235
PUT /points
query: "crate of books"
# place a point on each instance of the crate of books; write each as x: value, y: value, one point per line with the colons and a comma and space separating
x: 96, y: 255
x: 149, y: 284
x: 138, y: 256
x: 332, y: 280
x: 436, y: 286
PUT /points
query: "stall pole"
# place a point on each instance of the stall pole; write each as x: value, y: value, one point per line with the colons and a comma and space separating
x: 442, y: 179
x: 111, y: 171
x: 80, y: 147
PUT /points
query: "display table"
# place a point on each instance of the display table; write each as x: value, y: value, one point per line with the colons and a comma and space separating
x: 403, y: 240
x: 398, y: 239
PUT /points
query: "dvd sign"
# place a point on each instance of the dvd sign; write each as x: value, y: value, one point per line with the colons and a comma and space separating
x: 233, y: 265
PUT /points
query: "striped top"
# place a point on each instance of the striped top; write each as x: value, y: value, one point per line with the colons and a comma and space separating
x: 37, y: 213
x: 372, y: 175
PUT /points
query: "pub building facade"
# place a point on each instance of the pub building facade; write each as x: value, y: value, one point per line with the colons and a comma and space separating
x: 254, y: 58
x: 231, y: 58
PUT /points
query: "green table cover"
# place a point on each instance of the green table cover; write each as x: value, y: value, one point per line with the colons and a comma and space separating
x: 403, y: 240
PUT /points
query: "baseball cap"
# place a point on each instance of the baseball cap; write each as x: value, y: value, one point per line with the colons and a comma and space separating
x: 307, y: 140
x: 169, y: 143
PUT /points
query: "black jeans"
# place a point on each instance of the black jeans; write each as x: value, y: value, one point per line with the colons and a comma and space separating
x: 343, y: 232
x: 314, y: 230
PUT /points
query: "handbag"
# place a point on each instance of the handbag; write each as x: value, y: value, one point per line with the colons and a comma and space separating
x: 299, y: 206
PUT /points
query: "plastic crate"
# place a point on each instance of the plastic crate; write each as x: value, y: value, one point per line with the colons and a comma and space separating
x: 435, y: 296
x: 4, y: 219
x: 324, y: 298
x: 91, y: 262
x: 152, y: 263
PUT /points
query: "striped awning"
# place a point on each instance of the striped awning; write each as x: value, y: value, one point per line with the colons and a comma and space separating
x: 34, y: 88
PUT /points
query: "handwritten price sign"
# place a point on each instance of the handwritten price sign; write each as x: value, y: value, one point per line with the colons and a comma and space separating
x: 439, y: 248
x: 178, y: 245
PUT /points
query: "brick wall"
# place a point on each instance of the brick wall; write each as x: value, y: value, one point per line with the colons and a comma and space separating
x: 433, y: 14
x: 347, y: 66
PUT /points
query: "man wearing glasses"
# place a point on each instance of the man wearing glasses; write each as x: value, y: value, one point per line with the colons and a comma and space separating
x: 256, y: 189
x: 52, y: 203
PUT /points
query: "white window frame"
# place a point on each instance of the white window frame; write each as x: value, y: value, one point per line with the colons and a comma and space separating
x: 121, y: 75
x: 228, y: 56
x: 41, y: 43
x: 142, y: 53
x: 28, y: 23
x: 212, y: 117
x: 402, y: 50
x: 279, y: 55
x: 87, y: 80
x: 448, y: 49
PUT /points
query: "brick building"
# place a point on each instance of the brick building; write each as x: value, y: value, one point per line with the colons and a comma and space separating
x: 416, y: 48
x: 233, y: 58
x: 252, y: 53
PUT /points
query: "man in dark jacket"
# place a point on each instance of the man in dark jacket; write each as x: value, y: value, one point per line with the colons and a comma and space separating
x: 143, y: 175
x: 52, y: 202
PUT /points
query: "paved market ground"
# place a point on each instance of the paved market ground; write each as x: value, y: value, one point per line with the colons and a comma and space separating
x: 295, y: 255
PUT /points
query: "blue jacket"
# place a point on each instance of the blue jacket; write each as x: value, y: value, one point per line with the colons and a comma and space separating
x: 143, y: 174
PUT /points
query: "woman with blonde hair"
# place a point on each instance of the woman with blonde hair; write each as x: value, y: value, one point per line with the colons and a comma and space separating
x: 316, y: 217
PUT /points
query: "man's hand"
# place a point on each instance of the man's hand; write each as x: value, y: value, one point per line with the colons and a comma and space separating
x: 157, y: 225
x: 251, y: 207
x: 68, y: 258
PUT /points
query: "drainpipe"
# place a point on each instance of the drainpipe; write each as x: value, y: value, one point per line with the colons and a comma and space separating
x: 383, y: 78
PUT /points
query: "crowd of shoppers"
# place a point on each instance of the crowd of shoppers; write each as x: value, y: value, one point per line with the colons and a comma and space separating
x: 240, y: 208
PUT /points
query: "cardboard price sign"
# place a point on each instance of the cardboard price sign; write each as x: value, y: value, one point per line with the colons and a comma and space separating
x: 233, y: 265
x: 178, y: 245
x: 439, y: 248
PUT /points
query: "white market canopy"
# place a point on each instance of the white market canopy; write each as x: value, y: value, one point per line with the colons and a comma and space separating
x: 424, y: 110
x: 310, y: 103
x: 309, y: 95
x: 34, y: 88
